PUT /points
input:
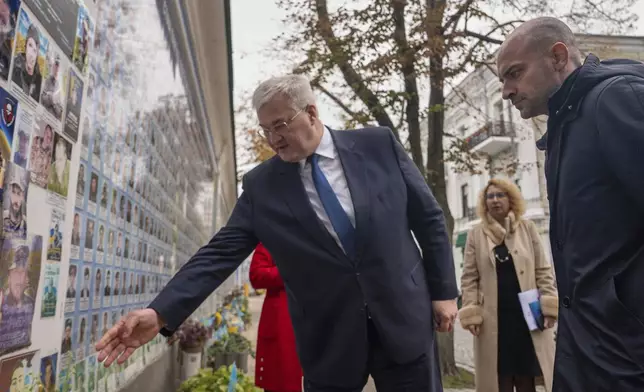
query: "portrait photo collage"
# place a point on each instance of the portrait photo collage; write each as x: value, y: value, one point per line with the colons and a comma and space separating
x: 77, y: 147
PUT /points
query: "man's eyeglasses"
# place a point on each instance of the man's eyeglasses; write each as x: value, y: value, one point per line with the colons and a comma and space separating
x: 280, y: 128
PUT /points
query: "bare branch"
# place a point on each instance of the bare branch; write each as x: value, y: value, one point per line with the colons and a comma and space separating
x: 351, y: 76
x: 484, y: 38
x: 354, y: 116
x: 454, y: 19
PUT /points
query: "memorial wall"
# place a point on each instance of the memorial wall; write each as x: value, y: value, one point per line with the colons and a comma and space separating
x: 106, y: 185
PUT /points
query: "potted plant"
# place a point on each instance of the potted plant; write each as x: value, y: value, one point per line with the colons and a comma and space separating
x: 209, y: 380
x: 234, y: 348
x: 239, y: 348
x: 192, y: 336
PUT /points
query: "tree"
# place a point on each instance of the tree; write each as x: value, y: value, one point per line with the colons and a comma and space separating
x: 389, y: 61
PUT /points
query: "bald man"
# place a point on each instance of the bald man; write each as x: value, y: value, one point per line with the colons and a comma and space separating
x: 595, y: 171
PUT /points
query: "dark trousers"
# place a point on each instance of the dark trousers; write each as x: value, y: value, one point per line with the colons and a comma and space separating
x: 388, y: 376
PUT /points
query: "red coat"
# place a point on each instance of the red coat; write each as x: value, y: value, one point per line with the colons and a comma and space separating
x: 277, y: 365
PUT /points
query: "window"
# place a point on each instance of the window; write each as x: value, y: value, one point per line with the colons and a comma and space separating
x: 465, y: 193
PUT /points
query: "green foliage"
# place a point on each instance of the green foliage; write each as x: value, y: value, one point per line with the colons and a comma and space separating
x: 232, y: 343
x: 208, y: 380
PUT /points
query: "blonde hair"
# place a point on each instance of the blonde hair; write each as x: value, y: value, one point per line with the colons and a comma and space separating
x: 517, y: 203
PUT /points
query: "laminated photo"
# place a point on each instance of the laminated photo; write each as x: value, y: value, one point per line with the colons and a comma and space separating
x: 29, y: 57
x: 80, y: 347
x: 51, y: 277
x: 77, y: 225
x: 72, y: 284
x: 21, y: 139
x: 48, y: 366
x: 85, y: 288
x: 60, y: 166
x: 103, y: 198
x: 55, y: 243
x: 15, y: 203
x: 98, y: 288
x: 81, y: 184
x: 20, y: 277
x: 73, y: 106
x: 58, y: 17
x: 8, y: 21
x: 93, y: 193
x: 54, y: 73
x: 84, y: 37
x: 90, y: 228
x: 17, y: 372
x: 42, y: 144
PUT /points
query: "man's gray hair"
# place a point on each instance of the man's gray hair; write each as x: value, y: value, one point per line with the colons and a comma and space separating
x: 295, y: 88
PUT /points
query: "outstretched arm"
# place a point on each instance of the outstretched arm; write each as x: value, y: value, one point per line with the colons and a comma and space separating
x: 208, y: 268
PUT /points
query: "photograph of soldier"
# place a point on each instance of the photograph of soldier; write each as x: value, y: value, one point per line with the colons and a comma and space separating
x: 26, y: 67
x: 80, y: 187
x: 66, y: 344
x: 71, y: 282
x: 19, y: 274
x: 41, y: 152
x: 8, y: 19
x: 110, y: 242
x: 89, y: 235
x: 60, y: 166
x: 52, y: 91
x: 119, y: 243
x: 86, y: 281
x: 93, y: 187
x: 107, y: 291
x: 98, y: 283
x: 117, y: 283
x: 93, y: 334
x: 14, y: 202
x: 101, y: 235
x: 104, y: 194
x: 82, y: 40
x: 76, y: 227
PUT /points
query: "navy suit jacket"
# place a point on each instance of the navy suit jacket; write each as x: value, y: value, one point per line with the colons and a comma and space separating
x: 328, y: 293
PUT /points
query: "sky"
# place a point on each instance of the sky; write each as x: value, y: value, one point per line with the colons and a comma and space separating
x: 256, y: 23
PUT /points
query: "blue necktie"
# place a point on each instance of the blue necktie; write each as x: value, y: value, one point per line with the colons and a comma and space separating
x: 339, y: 218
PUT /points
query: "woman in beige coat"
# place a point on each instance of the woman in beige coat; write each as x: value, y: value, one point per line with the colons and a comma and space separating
x: 503, y: 257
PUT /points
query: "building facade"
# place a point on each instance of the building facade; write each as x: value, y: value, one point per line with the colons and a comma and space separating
x: 497, y: 142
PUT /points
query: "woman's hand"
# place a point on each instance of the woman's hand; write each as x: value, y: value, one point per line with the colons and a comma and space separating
x: 549, y: 322
x: 475, y: 329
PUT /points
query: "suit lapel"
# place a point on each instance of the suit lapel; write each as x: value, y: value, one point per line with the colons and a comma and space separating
x: 293, y: 192
x: 354, y: 170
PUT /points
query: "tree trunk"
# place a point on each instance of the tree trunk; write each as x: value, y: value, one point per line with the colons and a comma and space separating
x: 436, y: 180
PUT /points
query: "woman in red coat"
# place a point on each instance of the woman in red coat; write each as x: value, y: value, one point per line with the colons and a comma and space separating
x: 277, y: 367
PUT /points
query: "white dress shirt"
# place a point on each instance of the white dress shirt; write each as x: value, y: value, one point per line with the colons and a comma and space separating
x: 330, y: 165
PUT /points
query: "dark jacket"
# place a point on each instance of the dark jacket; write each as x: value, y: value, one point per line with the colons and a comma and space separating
x: 327, y: 291
x: 595, y: 174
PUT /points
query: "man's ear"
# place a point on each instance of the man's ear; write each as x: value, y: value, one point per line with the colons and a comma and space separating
x: 312, y: 111
x: 559, y: 52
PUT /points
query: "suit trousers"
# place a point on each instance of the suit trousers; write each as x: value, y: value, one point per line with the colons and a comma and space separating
x: 388, y: 376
